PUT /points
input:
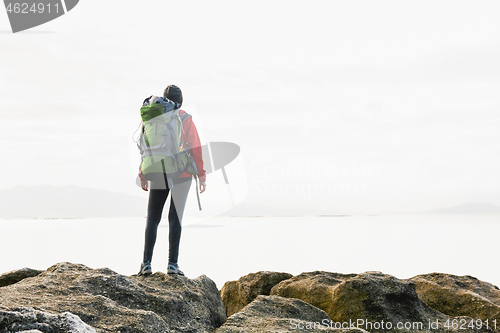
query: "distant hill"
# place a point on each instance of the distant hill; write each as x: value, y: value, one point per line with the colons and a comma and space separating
x: 71, y: 201
x: 49, y: 201
x: 468, y: 208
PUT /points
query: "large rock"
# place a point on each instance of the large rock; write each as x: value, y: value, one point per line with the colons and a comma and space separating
x: 17, y: 275
x: 30, y: 320
x: 460, y: 296
x: 237, y: 294
x: 314, y: 288
x: 373, y: 300
x: 279, y: 314
x: 111, y: 302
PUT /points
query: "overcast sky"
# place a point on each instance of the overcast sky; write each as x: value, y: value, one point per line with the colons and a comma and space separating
x: 342, y: 106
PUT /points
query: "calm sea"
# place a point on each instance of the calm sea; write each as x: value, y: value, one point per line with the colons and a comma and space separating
x: 225, y: 248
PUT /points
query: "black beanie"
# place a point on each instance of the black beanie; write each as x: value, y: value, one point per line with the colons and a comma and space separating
x: 173, y: 93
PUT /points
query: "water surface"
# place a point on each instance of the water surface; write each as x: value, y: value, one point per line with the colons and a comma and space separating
x: 226, y: 248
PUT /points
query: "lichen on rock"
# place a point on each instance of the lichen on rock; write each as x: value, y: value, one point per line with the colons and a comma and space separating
x: 237, y: 294
x: 110, y: 302
x: 17, y: 275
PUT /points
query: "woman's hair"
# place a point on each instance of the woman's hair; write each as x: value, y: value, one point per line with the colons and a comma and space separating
x: 173, y: 93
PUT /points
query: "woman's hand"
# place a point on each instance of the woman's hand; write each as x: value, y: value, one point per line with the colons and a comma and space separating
x: 144, y: 185
x: 203, y: 186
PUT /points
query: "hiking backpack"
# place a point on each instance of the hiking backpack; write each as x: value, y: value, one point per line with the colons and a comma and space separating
x: 160, y: 142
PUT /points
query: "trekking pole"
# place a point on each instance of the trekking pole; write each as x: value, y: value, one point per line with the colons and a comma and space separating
x: 197, y: 192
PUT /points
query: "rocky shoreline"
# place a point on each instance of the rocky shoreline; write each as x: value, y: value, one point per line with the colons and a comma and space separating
x: 74, y: 298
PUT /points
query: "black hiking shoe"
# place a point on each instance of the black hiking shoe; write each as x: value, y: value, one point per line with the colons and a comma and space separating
x: 174, y: 269
x: 145, y: 268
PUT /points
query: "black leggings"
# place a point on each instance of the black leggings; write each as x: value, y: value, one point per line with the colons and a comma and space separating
x: 158, y: 194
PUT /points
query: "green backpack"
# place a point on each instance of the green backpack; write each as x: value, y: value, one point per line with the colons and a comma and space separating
x: 160, y: 143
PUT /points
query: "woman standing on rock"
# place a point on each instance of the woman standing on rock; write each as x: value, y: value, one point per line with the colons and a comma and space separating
x: 160, y: 187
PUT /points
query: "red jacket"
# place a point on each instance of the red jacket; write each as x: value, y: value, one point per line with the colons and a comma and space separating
x: 192, y: 143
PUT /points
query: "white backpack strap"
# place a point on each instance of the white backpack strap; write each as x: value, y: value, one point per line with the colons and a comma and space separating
x: 185, y: 116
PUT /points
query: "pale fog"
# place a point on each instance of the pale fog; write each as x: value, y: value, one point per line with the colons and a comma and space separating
x: 369, y: 111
